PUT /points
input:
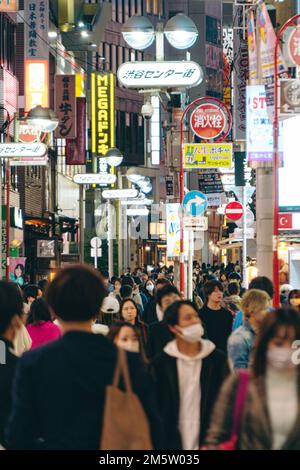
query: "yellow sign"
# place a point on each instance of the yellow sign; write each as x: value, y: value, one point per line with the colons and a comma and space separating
x: 36, y: 84
x: 207, y: 155
x: 102, y: 112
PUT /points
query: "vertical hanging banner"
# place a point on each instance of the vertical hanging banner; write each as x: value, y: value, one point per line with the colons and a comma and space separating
x: 252, y: 47
x: 8, y: 6
x: 240, y: 47
x: 65, y: 106
x: 102, y: 116
x: 36, y: 53
x: 103, y: 112
x: 76, y: 148
x: 267, y: 40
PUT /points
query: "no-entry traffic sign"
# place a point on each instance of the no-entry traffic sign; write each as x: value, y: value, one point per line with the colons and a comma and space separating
x: 234, y: 210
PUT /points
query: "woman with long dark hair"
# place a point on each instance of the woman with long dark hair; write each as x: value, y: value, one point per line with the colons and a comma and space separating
x: 129, y: 313
x: 126, y: 336
x: 270, y: 418
x: 39, y: 324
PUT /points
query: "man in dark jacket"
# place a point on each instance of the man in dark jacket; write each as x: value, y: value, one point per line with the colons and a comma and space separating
x: 150, y: 313
x: 11, y: 310
x: 159, y: 333
x: 59, y: 391
x: 188, y: 376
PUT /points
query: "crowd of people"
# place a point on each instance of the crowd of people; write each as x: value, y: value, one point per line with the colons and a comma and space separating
x: 192, y: 362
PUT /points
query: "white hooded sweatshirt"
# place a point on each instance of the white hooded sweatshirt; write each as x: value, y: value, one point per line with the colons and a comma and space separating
x: 189, y: 370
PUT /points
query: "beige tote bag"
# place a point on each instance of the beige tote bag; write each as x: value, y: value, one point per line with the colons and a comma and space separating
x: 125, y: 424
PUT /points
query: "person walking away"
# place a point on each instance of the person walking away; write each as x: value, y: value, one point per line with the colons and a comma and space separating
x: 270, y: 417
x: 40, y: 326
x: 11, y: 320
x: 255, y: 304
x: 159, y: 332
x: 75, y: 369
x: 216, y: 319
x: 188, y: 375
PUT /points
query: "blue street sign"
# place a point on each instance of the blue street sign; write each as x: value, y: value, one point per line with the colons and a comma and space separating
x: 194, y: 203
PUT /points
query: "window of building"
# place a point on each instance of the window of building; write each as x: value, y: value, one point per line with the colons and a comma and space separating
x: 148, y: 6
x: 7, y: 43
x: 114, y: 6
x: 155, y: 7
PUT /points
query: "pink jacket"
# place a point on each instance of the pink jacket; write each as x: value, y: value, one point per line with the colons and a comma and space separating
x: 43, y: 332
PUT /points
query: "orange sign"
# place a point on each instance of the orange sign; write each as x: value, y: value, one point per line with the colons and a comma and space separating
x: 36, y: 83
x: 8, y: 5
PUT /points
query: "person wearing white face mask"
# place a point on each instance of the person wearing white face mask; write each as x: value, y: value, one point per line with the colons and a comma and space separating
x: 271, y: 410
x: 188, y: 375
x: 126, y: 336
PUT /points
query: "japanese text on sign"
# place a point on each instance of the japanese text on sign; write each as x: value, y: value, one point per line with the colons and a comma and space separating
x: 163, y: 74
x: 207, y: 155
x: 36, y: 16
x: 65, y: 104
x: 102, y: 103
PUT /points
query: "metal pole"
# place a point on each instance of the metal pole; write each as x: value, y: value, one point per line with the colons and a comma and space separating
x: 120, y: 230
x: 1, y: 260
x: 190, y: 265
x: 110, y: 241
x: 81, y: 222
x: 245, y: 280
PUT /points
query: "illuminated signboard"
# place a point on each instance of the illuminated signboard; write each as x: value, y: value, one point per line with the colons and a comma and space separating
x: 207, y: 155
x: 184, y: 74
x: 8, y: 5
x: 102, y: 112
x: 36, y: 83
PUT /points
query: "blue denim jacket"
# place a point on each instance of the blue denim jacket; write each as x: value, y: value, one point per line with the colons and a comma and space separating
x: 240, y: 344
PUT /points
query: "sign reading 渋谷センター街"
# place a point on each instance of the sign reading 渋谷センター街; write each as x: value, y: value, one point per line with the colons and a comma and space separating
x: 162, y: 74
x: 207, y: 155
x: 65, y: 106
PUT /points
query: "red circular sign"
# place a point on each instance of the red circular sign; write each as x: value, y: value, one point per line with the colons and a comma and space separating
x: 234, y: 210
x: 294, y: 45
x: 28, y: 134
x: 208, y: 121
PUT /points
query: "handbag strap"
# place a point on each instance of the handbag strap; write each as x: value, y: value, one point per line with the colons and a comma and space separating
x: 121, y: 370
x: 240, y: 400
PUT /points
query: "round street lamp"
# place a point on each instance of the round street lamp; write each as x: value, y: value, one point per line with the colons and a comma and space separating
x: 181, y: 31
x: 42, y: 118
x: 113, y: 157
x: 138, y: 32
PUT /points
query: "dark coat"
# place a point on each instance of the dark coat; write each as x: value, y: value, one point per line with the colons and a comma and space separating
x: 164, y: 370
x: 159, y: 337
x: 59, y: 393
x: 7, y: 371
x: 150, y: 316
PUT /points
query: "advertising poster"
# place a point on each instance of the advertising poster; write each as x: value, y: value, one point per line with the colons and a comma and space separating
x: 17, y: 270
x: 173, y: 231
x: 252, y: 47
x: 207, y: 156
x: 267, y: 49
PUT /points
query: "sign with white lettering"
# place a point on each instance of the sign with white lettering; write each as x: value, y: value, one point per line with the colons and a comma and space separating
x: 94, y: 178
